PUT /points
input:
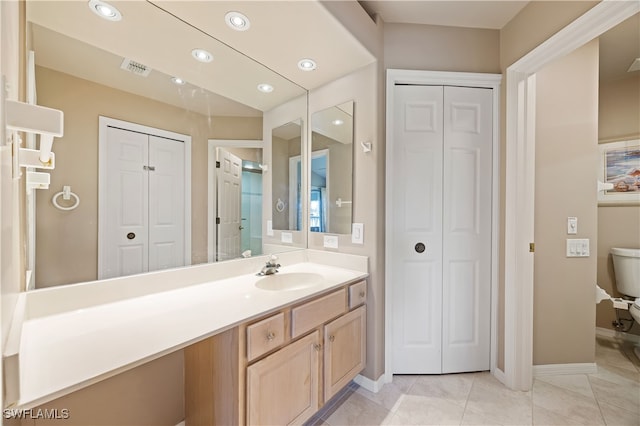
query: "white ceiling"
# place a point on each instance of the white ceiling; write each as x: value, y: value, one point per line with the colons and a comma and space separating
x: 161, y: 35
x: 456, y: 13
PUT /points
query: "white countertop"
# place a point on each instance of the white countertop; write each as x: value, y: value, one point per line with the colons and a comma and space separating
x: 65, y: 351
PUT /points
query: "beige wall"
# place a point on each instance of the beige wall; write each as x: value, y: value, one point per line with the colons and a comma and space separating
x: 534, y: 24
x: 618, y: 226
x: 566, y: 173
x: 152, y: 394
x: 538, y: 21
x: 438, y: 48
x: 66, y: 247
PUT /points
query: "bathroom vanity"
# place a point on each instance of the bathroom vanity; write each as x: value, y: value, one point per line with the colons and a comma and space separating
x: 246, y: 338
x: 281, y: 367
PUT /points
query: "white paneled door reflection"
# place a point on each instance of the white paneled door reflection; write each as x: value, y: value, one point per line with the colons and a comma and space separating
x: 442, y: 236
x: 228, y: 217
x: 144, y: 204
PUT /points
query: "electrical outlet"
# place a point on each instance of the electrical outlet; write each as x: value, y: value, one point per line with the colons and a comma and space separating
x: 331, y: 241
x: 357, y: 233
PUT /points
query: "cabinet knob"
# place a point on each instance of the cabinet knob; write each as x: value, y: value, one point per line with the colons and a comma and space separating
x: 332, y: 338
x: 271, y: 335
x: 317, y: 346
x: 362, y: 293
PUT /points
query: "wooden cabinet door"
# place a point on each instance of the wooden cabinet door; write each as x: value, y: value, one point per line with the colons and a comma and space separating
x: 344, y: 350
x: 282, y: 388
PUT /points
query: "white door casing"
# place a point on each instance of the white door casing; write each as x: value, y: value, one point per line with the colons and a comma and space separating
x: 399, y: 77
x: 442, y: 295
x: 157, y: 218
x: 212, y: 187
x: 229, y: 190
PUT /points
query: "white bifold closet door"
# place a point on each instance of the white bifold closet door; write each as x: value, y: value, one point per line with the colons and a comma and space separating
x: 441, y: 250
x: 144, y: 204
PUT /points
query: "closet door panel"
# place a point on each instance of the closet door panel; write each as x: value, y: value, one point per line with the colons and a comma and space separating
x: 466, y: 249
x: 166, y: 203
x: 417, y: 230
x: 124, y: 250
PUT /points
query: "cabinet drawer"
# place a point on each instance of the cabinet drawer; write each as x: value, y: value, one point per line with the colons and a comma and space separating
x: 265, y: 335
x: 306, y: 317
x: 357, y: 294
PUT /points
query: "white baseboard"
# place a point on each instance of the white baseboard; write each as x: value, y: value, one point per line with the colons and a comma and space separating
x: 605, y: 332
x: 370, y: 385
x: 559, y: 369
x: 499, y: 374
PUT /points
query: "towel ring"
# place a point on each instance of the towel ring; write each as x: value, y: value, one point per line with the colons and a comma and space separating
x: 280, y: 206
x: 66, y: 195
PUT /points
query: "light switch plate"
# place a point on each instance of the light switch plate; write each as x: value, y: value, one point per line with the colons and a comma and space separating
x: 357, y: 233
x: 577, y: 247
x: 270, y: 228
x: 331, y: 241
x: 572, y: 225
x: 286, y: 237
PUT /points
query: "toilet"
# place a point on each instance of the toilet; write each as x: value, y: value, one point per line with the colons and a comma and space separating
x: 626, y: 265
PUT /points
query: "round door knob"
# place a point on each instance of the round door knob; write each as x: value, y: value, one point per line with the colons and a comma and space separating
x: 131, y: 236
x: 420, y: 247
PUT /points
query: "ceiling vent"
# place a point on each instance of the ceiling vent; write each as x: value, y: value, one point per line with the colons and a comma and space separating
x: 135, y: 67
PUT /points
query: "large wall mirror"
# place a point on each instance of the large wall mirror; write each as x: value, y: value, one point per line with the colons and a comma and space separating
x: 160, y: 107
x: 331, y: 184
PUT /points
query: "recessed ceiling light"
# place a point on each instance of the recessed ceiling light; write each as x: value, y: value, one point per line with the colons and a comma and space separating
x: 202, y: 55
x: 237, y: 21
x: 307, y: 64
x: 105, y: 10
x: 265, y: 88
x: 178, y: 81
x: 337, y: 122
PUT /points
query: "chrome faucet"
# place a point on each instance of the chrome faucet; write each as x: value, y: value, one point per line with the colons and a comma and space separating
x: 271, y: 267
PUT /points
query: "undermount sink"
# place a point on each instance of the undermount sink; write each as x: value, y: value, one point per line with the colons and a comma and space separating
x: 288, y: 281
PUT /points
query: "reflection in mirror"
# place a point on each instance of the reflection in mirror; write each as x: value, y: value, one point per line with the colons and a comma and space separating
x: 331, y: 186
x: 287, y: 176
x: 89, y: 68
x: 239, y: 202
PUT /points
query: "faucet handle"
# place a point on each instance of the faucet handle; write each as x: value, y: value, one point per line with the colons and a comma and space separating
x: 273, y: 258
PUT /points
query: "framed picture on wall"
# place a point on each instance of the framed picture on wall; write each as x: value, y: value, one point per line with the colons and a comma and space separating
x: 620, y: 167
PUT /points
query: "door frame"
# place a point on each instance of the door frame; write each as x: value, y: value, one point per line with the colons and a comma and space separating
x: 438, y: 78
x: 103, y: 124
x: 519, y: 181
x: 212, y: 185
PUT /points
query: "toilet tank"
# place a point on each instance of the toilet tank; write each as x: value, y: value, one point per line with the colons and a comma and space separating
x: 626, y: 265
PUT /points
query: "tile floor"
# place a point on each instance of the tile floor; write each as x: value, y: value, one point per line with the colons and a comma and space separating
x: 611, y: 397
